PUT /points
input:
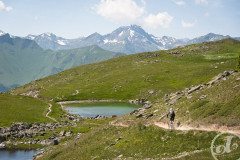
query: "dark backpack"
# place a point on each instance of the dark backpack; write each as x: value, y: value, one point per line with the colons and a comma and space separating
x: 171, y: 115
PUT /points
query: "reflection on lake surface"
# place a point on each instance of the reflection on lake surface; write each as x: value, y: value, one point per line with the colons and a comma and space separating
x: 16, y: 155
x: 102, y: 109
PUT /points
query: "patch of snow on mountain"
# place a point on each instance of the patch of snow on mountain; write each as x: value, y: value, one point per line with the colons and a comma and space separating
x: 109, y: 41
x: 163, y: 42
x: 2, y: 33
x: 48, y: 34
x: 31, y: 37
x: 120, y: 34
x: 61, y: 42
x: 132, y: 33
x: 12, y: 36
x: 214, y: 38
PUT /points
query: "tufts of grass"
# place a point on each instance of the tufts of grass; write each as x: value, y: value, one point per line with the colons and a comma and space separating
x: 133, y: 76
x: 21, y: 109
x: 138, y: 141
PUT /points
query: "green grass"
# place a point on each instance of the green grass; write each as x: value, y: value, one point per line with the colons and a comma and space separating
x: 57, y: 112
x: 137, y: 141
x: 131, y: 77
x: 23, y: 146
x: 221, y: 105
x: 84, y: 127
x: 21, y: 109
x: 221, y: 56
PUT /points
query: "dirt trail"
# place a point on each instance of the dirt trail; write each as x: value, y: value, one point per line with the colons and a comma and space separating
x: 184, y: 154
x: 222, y: 129
x: 118, y: 124
x: 49, y: 111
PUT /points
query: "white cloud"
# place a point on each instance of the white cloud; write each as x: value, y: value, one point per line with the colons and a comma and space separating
x: 119, y: 10
x: 179, y: 2
x: 201, y: 1
x: 3, y: 7
x: 162, y: 19
x: 128, y: 11
x: 188, y: 24
x: 206, y: 14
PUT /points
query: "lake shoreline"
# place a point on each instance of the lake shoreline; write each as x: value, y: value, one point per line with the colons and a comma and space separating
x: 99, y: 109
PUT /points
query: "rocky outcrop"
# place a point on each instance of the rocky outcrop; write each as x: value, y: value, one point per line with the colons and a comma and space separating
x: 33, y: 94
x: 74, y: 118
x: 29, y: 131
x: 172, y: 98
x: 140, y: 112
x: 221, y: 76
x: 25, y: 130
x: 143, y: 102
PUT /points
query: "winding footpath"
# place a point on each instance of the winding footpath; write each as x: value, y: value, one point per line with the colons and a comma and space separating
x: 49, y: 111
x: 221, y: 129
x: 212, y: 128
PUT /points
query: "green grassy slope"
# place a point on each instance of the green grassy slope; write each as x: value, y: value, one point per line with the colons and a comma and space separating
x: 22, y: 60
x: 221, y: 105
x: 137, y: 142
x: 133, y: 76
x: 21, y: 109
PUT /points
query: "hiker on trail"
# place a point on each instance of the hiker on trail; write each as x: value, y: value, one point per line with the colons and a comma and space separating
x: 171, y: 116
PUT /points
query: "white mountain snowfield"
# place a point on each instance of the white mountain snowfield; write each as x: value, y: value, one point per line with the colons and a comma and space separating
x: 61, y: 42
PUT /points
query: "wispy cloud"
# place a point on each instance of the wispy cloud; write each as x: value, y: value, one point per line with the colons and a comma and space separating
x: 201, y: 1
x: 128, y: 11
x: 162, y: 19
x: 186, y: 24
x: 3, y: 7
x: 119, y: 10
x: 179, y: 2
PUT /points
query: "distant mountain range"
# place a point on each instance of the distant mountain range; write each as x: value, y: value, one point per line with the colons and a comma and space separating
x: 23, y: 60
x: 126, y: 39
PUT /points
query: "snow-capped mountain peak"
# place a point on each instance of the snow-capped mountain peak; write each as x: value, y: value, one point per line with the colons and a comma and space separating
x: 207, y: 38
x: 126, y: 39
x: 31, y: 37
x: 2, y: 33
x: 48, y: 40
x: 47, y: 34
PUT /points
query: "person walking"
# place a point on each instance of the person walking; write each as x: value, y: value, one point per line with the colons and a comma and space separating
x: 171, y: 116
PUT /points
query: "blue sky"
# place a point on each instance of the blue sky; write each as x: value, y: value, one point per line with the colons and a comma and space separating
x: 75, y: 18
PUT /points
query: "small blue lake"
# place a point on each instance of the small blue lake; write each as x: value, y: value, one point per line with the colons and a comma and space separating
x: 102, y: 109
x: 16, y: 154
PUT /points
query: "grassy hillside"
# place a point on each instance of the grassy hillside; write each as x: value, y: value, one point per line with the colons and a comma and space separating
x: 22, y: 60
x: 151, y: 76
x: 137, y: 142
x: 21, y: 109
x: 134, y: 76
x: 215, y: 105
x: 221, y: 105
